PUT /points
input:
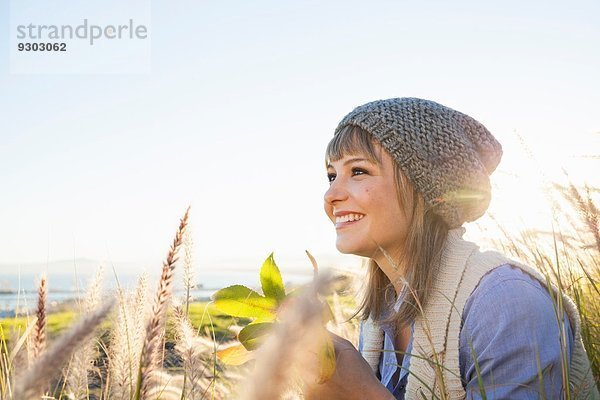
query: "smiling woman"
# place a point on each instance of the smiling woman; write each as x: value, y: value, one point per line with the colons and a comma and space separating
x: 400, y: 211
x: 441, y: 319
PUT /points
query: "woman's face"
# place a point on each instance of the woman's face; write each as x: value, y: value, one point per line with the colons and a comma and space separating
x: 362, y: 202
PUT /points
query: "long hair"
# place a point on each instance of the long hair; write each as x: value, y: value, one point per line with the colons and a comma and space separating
x: 423, y: 247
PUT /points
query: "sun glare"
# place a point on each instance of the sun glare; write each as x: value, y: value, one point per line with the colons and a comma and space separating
x: 524, y: 195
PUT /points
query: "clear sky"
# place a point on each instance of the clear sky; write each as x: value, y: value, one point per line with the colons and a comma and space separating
x: 239, y: 101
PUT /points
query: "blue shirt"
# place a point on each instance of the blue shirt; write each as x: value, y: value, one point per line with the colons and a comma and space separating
x: 511, y: 323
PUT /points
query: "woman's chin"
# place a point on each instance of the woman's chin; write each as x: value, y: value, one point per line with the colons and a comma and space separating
x: 347, y: 248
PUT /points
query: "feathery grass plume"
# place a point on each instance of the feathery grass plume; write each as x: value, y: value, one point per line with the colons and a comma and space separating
x: 593, y: 216
x: 126, y: 341
x: 140, y: 309
x: 192, y: 363
x: 39, y: 332
x: 14, y: 363
x: 343, y: 324
x: 51, y: 361
x: 339, y: 323
x: 83, y: 359
x: 119, y: 363
x: 189, y: 278
x: 139, y: 301
x: 150, y: 357
x: 198, y: 355
x: 584, y: 205
x: 166, y: 386
x: 300, y: 329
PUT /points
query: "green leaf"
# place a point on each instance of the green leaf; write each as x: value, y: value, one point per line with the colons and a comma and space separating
x: 235, y: 355
x: 326, y: 360
x: 271, y: 281
x: 240, y: 301
x: 253, y: 335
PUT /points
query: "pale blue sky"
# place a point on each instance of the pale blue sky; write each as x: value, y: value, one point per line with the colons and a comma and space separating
x: 240, y: 102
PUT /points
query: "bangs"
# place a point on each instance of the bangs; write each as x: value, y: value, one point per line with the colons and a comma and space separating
x: 354, y: 140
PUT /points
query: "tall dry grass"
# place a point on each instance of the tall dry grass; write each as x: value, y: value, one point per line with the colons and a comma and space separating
x: 39, y: 332
x: 126, y: 340
x: 134, y: 350
x: 81, y: 363
x: 189, y: 276
x: 150, y: 357
x: 50, y: 362
x: 569, y: 256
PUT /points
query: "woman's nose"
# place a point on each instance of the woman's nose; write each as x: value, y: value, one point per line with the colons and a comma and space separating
x: 336, y: 192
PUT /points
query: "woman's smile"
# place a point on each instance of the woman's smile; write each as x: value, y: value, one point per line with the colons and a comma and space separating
x: 345, y: 218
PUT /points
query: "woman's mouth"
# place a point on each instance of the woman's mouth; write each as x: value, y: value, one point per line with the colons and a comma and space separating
x: 347, y: 220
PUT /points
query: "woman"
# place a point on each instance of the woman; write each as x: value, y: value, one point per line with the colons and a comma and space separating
x: 440, y: 318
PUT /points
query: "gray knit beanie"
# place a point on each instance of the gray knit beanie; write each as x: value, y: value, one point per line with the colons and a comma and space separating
x: 448, y: 156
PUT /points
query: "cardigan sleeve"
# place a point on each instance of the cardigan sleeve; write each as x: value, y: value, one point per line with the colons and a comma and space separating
x: 510, y: 328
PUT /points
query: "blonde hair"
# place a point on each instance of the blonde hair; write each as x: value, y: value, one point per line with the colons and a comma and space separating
x: 425, y: 239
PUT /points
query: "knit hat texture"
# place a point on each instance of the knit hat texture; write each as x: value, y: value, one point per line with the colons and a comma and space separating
x: 447, y: 155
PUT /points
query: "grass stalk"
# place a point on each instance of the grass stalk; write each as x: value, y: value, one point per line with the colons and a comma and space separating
x: 149, y: 360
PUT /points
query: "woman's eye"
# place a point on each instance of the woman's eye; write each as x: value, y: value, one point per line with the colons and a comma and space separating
x: 330, y: 177
x: 358, y: 171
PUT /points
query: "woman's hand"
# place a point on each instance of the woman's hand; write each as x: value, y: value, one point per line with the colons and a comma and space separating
x: 353, y: 378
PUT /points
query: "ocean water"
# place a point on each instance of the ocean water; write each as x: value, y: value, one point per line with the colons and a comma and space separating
x: 20, y: 291
x: 10, y: 302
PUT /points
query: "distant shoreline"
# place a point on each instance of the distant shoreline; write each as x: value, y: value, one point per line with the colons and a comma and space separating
x: 30, y: 291
x: 33, y: 291
x: 23, y: 302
